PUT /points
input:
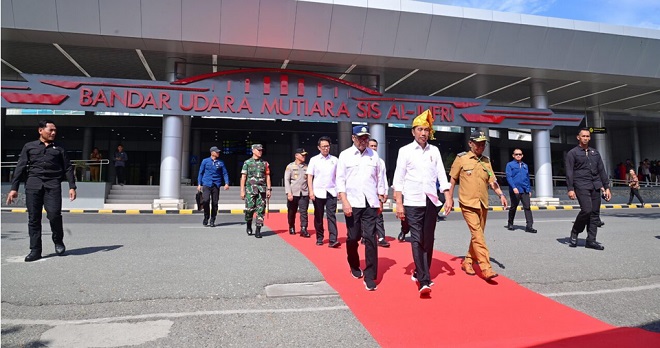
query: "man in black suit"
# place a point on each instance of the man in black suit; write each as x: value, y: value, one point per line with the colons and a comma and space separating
x: 586, y: 180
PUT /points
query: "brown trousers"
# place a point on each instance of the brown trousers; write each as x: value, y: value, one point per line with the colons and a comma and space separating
x: 476, y: 221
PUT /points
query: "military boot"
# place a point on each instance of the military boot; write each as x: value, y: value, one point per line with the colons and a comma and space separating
x: 249, y: 228
x: 257, y: 233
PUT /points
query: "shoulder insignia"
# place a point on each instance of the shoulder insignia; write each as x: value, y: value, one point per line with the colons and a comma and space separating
x: 461, y: 154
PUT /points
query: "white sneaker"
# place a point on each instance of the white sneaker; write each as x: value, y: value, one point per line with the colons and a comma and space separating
x: 424, y: 290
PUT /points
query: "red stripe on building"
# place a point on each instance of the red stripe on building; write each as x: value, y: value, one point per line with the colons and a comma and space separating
x: 29, y: 98
x: 483, y: 118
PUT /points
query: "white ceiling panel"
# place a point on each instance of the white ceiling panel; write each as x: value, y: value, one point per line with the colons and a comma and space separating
x: 7, y: 14
x: 312, y: 26
x: 580, y: 49
x: 529, y: 45
x: 161, y: 19
x: 239, y: 22
x: 276, y: 21
x: 78, y: 16
x: 606, y: 46
x: 380, y: 30
x: 200, y: 21
x: 347, y: 29
x: 553, y: 52
x: 412, y: 35
x: 35, y: 15
x: 501, y: 42
x: 120, y: 18
x: 443, y: 38
x: 473, y: 38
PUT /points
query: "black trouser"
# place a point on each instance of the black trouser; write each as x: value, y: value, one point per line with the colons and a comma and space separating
x: 362, y: 223
x: 210, y: 200
x: 299, y: 203
x: 589, y: 215
x: 121, y: 178
x: 422, y: 221
x: 329, y: 206
x: 635, y: 192
x: 517, y: 199
x: 380, y: 226
x: 37, y: 200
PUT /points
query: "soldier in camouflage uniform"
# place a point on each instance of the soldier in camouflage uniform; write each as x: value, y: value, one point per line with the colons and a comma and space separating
x: 256, y: 173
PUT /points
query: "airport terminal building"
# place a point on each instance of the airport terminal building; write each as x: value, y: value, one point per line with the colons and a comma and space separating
x: 168, y: 79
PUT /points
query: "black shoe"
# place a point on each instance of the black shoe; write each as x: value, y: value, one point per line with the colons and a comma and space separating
x: 362, y: 241
x: 383, y: 243
x: 530, y: 230
x: 402, y: 237
x: 304, y: 233
x: 319, y: 242
x: 33, y: 256
x: 212, y: 223
x: 573, y: 240
x: 334, y: 244
x: 370, y: 284
x: 600, y: 224
x: 60, y: 248
x: 205, y: 222
x: 356, y: 273
x: 249, y: 228
x: 292, y: 231
x: 594, y: 245
x: 510, y: 227
x: 257, y: 232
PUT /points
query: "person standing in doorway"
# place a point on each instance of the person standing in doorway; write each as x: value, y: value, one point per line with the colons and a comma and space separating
x: 297, y: 193
x: 380, y: 222
x: 120, y: 164
x: 45, y: 164
x: 475, y: 173
x: 586, y: 180
x: 419, y: 168
x: 95, y: 164
x: 520, y: 190
x: 212, y: 175
x: 322, y: 185
x: 255, y: 188
x: 361, y: 189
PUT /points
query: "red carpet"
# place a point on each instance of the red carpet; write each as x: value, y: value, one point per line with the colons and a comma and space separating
x: 463, y: 311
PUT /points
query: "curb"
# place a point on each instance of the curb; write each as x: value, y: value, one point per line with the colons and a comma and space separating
x: 240, y: 211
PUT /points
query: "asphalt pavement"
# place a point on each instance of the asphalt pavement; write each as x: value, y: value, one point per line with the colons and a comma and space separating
x: 166, y: 281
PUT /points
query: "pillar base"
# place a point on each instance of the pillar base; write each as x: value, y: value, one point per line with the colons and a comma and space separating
x: 168, y: 204
x: 544, y: 201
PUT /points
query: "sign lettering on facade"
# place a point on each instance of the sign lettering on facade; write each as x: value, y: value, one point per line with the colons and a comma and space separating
x: 268, y: 94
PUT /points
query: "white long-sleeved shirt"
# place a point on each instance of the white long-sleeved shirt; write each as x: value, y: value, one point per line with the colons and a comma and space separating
x: 359, y: 175
x: 417, y: 171
x: 324, y: 171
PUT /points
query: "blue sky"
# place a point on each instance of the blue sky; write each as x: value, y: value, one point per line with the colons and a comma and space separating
x: 636, y: 13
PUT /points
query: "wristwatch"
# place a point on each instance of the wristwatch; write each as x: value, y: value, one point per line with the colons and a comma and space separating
x: 269, y: 189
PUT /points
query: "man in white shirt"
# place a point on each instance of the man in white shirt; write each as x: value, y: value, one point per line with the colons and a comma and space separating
x: 361, y: 188
x: 418, y: 167
x: 321, y: 182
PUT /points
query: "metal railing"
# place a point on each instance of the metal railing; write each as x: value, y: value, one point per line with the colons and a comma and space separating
x: 78, y: 165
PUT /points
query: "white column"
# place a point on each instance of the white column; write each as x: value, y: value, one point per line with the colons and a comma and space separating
x: 601, y: 142
x: 487, y: 134
x: 637, y: 153
x: 171, y: 146
x: 541, y: 148
x: 378, y: 131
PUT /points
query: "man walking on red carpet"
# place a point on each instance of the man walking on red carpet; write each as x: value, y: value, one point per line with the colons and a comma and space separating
x: 362, y: 189
x: 418, y: 167
x: 475, y: 173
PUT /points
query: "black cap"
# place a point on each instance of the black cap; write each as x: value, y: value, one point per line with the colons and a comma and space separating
x: 301, y: 151
x: 478, y: 136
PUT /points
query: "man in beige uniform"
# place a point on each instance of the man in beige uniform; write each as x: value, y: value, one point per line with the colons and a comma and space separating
x: 297, y: 194
x: 475, y: 174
